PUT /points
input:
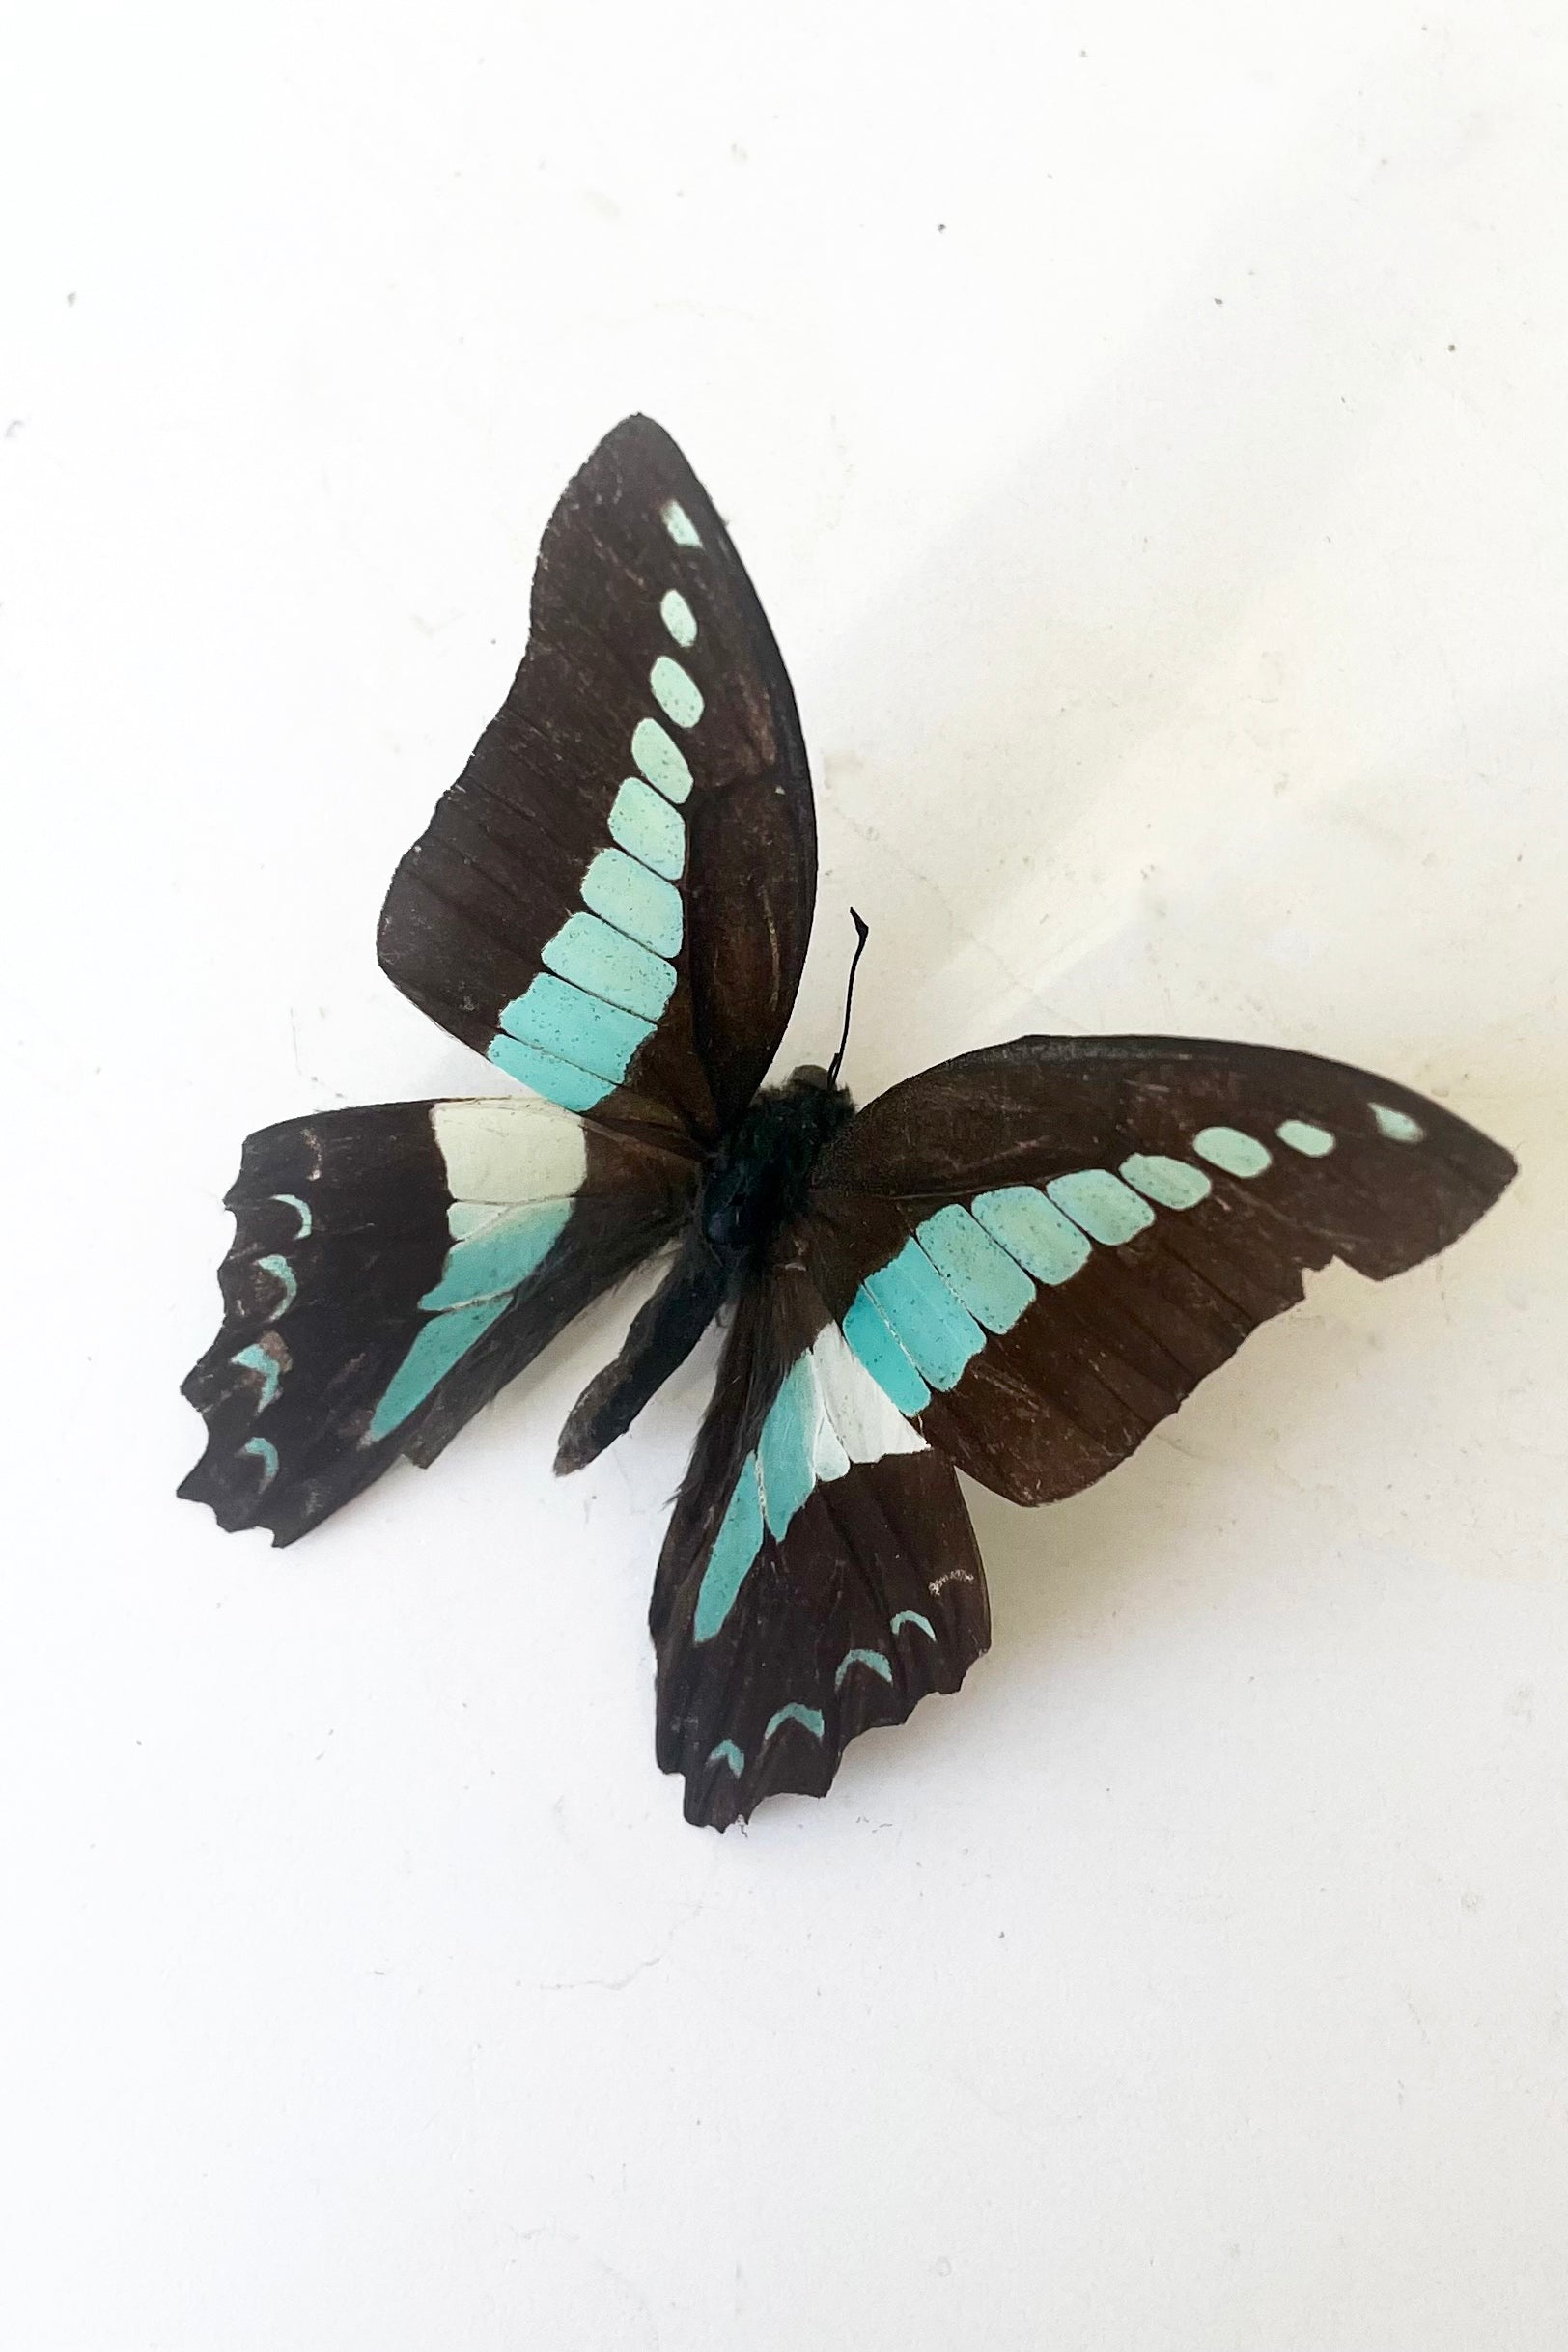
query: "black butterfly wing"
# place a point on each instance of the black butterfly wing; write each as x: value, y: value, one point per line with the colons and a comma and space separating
x: 1040, y: 1250
x: 613, y: 901
x: 391, y: 1268
x: 820, y: 1574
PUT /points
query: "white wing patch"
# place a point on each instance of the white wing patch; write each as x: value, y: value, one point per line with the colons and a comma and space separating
x: 506, y: 1149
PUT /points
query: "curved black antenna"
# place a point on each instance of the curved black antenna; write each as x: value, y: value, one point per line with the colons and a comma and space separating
x: 864, y: 929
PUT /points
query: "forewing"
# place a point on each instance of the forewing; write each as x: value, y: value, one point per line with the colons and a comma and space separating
x: 1038, y: 1249
x: 614, y: 899
x: 820, y: 1574
x: 391, y: 1268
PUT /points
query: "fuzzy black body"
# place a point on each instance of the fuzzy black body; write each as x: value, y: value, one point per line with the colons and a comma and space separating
x: 760, y: 1176
x: 757, y: 1180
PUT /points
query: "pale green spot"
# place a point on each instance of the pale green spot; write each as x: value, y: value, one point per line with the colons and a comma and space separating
x: 1172, y: 1182
x: 499, y: 1258
x: 1030, y: 1229
x: 678, y: 617
x: 1106, y: 1208
x: 784, y: 1467
x: 1227, y: 1148
x: 676, y: 692
x: 679, y: 524
x: 872, y: 1658
x: 301, y: 1210
x: 642, y: 905
x: 1397, y: 1125
x: 565, y: 1020
x: 646, y: 827
x: 283, y: 1273
x: 263, y: 1451
x: 259, y: 1360
x: 978, y: 1271
x: 441, y: 1344
x: 913, y: 1617
x: 560, y: 1082
x: 607, y: 964
x: 727, y: 1752
x: 467, y: 1217
x: 735, y: 1547
x: 1302, y: 1136
x: 937, y: 1334
x: 867, y: 1330
x: 808, y: 1718
x: 660, y: 758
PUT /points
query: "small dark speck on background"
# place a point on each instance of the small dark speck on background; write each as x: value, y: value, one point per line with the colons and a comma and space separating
x: 71, y: 299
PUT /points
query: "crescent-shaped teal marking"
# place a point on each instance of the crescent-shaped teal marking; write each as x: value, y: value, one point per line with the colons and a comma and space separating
x: 727, y: 1752
x: 257, y: 1359
x: 266, y: 1454
x: 913, y: 1617
x: 282, y: 1272
x: 301, y: 1210
x: 873, y: 1659
x: 808, y: 1718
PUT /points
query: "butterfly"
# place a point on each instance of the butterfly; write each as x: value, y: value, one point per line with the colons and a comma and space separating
x: 1013, y: 1265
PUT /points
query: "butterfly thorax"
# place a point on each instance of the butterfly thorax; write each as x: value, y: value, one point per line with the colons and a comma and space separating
x: 757, y: 1179
x: 760, y: 1175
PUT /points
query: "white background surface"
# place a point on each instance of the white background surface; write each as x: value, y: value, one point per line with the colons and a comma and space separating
x: 1146, y: 429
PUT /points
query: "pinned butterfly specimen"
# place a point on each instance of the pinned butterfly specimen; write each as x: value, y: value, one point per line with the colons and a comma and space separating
x: 1012, y: 1266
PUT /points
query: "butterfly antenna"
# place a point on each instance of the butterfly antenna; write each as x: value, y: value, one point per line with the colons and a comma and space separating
x: 864, y: 932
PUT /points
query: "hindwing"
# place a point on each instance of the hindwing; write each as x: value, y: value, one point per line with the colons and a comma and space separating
x: 391, y: 1268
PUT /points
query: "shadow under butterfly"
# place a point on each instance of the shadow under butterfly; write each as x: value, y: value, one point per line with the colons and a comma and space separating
x: 1013, y: 1265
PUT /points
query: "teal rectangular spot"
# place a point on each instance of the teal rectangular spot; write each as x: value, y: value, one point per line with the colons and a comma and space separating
x: 784, y: 1469
x: 938, y: 1335
x: 990, y: 1283
x: 565, y: 1020
x: 608, y: 964
x: 1227, y: 1148
x: 869, y: 1337
x: 676, y: 691
x: 735, y: 1547
x: 506, y: 1254
x: 647, y: 827
x: 561, y: 1083
x: 660, y: 758
x: 1174, y: 1184
x: 1030, y: 1229
x: 1109, y: 1210
x: 442, y: 1343
x: 643, y: 905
